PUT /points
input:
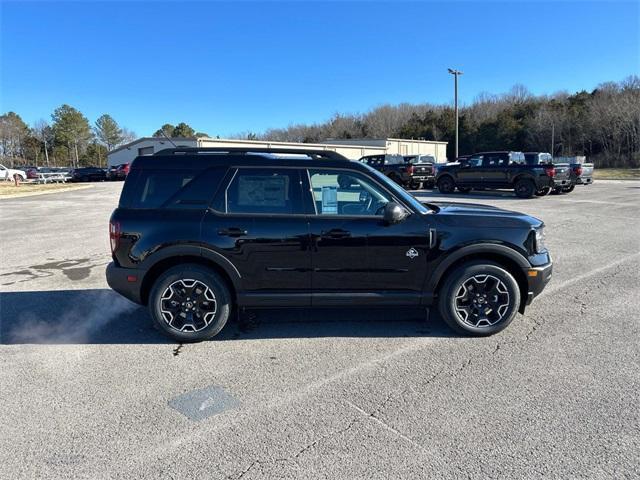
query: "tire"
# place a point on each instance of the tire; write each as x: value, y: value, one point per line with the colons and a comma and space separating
x: 182, y: 324
x: 414, y: 185
x: 19, y: 177
x: 569, y: 189
x: 557, y: 191
x: 461, y: 311
x: 446, y: 184
x: 464, y: 189
x: 524, y: 188
x: 543, y: 191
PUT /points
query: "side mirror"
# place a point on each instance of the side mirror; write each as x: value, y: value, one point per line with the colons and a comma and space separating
x: 394, y: 213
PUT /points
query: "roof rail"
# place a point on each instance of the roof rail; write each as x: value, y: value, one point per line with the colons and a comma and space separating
x: 314, y: 154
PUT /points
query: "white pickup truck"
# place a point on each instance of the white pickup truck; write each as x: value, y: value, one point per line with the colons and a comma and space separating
x: 11, y: 174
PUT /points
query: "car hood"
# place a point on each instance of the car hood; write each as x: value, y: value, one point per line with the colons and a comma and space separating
x: 472, y: 214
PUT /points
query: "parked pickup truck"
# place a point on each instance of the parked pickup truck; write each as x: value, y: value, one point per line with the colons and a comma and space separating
x: 423, y: 173
x: 394, y: 167
x: 581, y: 172
x: 562, y: 178
x: 495, y: 170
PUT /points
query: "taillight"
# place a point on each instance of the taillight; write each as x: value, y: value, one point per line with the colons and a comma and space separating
x: 550, y: 171
x: 410, y: 169
x: 114, y: 235
x: 578, y: 170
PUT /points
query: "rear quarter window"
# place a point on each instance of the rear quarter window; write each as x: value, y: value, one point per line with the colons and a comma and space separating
x: 190, y: 189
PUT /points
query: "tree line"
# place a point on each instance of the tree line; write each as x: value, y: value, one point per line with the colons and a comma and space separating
x: 603, y: 124
x: 67, y: 140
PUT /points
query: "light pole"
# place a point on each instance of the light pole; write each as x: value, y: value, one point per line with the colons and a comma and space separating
x: 455, y: 73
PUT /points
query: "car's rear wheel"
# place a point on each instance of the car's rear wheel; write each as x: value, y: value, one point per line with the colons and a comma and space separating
x: 543, y: 191
x: 569, y: 189
x: 190, y: 303
x: 480, y: 298
x: 524, y: 188
x: 446, y: 185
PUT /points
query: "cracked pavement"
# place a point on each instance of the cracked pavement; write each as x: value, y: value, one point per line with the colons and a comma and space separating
x: 322, y: 394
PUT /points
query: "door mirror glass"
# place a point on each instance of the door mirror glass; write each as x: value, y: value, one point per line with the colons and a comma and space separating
x: 394, y: 213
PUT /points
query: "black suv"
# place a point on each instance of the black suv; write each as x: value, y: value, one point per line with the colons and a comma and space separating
x: 200, y: 231
x: 495, y: 170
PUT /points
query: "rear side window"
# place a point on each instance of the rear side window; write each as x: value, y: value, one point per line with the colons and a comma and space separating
x: 264, y: 191
x: 171, y: 188
x: 155, y: 188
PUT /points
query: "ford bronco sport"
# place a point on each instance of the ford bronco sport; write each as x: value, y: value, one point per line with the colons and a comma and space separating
x: 199, y: 231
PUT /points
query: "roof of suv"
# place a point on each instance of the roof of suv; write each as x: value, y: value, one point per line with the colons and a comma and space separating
x: 199, y: 158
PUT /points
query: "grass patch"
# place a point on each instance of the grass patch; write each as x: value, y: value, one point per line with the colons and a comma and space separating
x: 616, y: 173
x: 8, y: 189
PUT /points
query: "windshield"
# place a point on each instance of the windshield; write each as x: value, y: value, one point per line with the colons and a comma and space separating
x: 398, y: 191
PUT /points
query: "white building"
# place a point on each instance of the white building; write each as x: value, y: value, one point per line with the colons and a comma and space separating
x: 352, y: 149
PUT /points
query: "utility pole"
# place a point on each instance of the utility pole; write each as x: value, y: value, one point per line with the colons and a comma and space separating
x: 455, y: 73
x: 553, y: 138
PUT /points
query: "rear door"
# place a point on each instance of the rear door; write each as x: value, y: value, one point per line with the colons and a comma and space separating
x: 495, y: 170
x: 260, y: 225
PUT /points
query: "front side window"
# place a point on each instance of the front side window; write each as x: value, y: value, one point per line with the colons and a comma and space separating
x: 475, y: 161
x: 340, y: 192
x: 264, y: 191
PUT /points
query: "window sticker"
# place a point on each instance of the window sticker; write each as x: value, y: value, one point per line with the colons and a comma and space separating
x: 262, y: 191
x: 330, y: 200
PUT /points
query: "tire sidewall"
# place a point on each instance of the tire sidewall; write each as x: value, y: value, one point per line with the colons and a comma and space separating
x: 531, y: 188
x: 211, y: 280
x: 446, y: 184
x: 453, y: 282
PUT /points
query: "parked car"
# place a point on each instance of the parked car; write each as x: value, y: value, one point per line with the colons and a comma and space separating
x: 88, y: 174
x: 423, y: 171
x: 394, y: 167
x: 562, y: 178
x: 122, y: 171
x: 12, y: 173
x: 581, y: 172
x: 495, y: 170
x: 245, y: 228
x: 32, y: 173
x: 111, y: 172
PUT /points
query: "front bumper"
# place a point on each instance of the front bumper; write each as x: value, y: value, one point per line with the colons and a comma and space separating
x: 126, y: 281
x: 537, y: 279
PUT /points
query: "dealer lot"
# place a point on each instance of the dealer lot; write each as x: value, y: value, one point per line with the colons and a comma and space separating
x: 90, y: 390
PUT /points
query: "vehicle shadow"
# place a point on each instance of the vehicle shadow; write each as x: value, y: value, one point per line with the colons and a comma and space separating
x: 473, y: 195
x: 101, y: 316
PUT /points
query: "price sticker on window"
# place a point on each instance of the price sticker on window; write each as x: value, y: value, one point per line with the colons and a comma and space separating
x: 329, y: 200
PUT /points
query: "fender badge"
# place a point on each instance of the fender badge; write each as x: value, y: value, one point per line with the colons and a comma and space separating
x: 412, y: 253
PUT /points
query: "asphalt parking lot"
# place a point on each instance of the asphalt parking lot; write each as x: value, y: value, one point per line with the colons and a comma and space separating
x: 90, y: 390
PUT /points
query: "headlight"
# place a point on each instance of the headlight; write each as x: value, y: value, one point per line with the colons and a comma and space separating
x: 540, y: 246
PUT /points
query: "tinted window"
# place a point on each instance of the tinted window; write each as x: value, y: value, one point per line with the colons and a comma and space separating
x: 154, y: 188
x: 474, y: 161
x: 339, y: 192
x: 264, y: 191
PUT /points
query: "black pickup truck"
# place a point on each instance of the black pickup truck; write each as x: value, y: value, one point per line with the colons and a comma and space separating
x: 393, y: 166
x: 423, y: 172
x: 496, y: 170
x: 562, y: 178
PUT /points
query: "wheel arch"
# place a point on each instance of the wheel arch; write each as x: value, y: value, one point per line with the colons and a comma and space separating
x: 189, y: 256
x: 509, y: 259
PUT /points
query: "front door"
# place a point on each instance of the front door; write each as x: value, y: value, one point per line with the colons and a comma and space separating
x: 470, y: 172
x: 356, y: 257
x: 262, y: 229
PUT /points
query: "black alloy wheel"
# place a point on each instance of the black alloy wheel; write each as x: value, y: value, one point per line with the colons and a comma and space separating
x: 446, y: 185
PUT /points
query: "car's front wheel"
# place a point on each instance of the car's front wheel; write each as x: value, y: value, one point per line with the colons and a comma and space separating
x: 190, y: 303
x: 479, y: 298
x: 446, y: 185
